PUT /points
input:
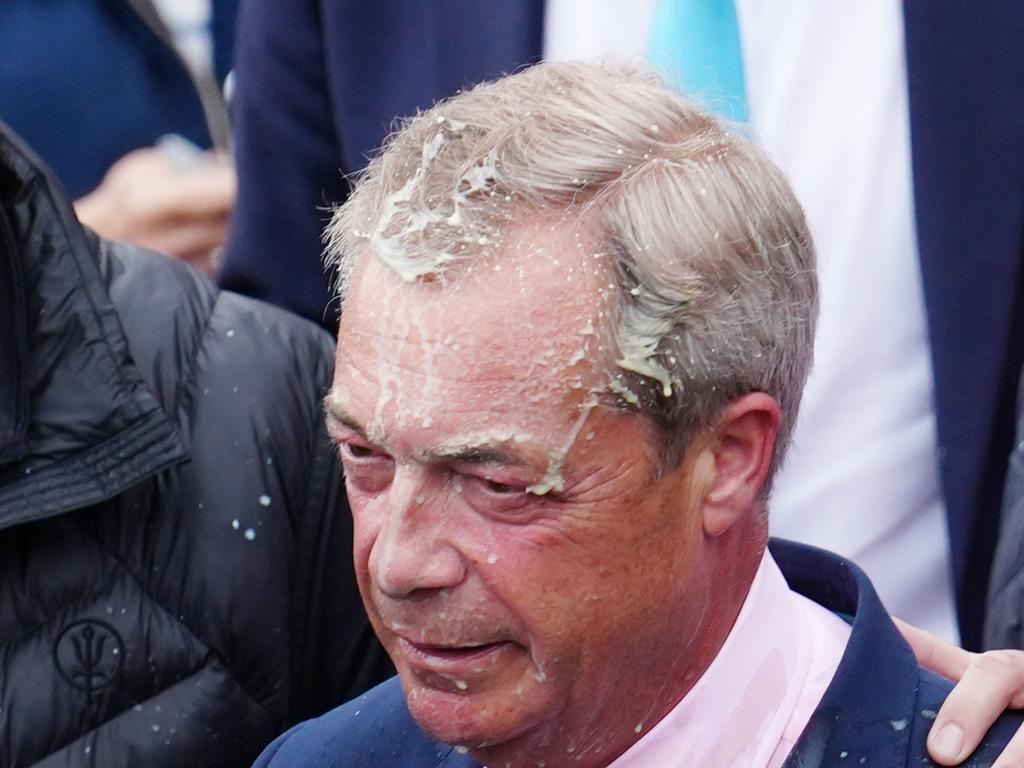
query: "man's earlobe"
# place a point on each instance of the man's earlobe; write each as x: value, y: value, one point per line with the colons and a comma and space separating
x: 742, y: 447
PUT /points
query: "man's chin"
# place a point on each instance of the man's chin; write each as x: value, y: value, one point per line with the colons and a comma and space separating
x: 466, y: 719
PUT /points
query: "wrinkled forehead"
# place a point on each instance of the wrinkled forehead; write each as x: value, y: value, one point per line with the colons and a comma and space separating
x: 527, y: 317
x: 544, y: 282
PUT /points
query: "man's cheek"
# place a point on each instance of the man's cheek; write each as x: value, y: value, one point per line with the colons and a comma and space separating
x: 365, y: 530
x: 362, y: 561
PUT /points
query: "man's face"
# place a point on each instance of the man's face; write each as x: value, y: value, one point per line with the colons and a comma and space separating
x: 514, y: 616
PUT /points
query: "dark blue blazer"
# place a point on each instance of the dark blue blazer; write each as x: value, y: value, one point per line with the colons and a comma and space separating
x: 966, y: 86
x: 876, y: 712
x: 320, y: 83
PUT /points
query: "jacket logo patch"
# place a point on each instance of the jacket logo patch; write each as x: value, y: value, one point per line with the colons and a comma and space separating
x: 89, y: 655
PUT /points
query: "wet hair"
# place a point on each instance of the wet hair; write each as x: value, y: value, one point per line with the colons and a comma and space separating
x: 716, y: 294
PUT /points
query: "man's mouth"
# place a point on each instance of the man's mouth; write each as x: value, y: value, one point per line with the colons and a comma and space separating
x: 452, y: 652
x: 457, y: 665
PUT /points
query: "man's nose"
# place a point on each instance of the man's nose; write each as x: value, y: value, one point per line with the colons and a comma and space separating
x: 412, y: 552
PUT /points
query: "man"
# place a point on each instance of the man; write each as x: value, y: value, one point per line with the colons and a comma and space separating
x: 175, y: 576
x: 915, y: 215
x: 578, y: 316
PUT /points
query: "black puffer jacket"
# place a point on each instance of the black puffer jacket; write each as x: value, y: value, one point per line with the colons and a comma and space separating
x: 175, y: 548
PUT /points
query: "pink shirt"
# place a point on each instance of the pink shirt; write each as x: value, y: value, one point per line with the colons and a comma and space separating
x: 751, y: 705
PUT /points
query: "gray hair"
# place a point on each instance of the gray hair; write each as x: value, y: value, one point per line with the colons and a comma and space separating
x: 714, y: 267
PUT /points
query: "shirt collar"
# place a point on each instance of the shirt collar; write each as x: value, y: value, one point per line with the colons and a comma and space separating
x: 751, y: 687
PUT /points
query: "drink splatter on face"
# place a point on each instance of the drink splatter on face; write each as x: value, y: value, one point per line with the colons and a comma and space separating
x: 505, y: 503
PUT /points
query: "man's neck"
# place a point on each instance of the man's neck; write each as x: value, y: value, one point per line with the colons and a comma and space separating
x: 626, y: 713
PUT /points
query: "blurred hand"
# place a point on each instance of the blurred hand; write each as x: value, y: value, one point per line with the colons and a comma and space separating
x: 988, y: 683
x: 151, y: 198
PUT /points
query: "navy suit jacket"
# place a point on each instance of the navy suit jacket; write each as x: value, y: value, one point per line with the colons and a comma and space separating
x: 966, y: 87
x: 320, y: 83
x: 877, y: 710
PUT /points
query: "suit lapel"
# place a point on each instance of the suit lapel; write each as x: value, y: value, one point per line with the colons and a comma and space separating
x: 877, y: 674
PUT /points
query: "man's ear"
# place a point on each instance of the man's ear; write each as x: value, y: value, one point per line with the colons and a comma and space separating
x: 741, y: 448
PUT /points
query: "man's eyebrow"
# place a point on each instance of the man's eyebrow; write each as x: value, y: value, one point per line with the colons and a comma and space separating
x: 335, y: 411
x: 478, y: 449
x: 472, y: 454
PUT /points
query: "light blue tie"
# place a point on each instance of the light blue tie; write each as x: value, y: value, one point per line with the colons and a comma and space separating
x: 696, y: 46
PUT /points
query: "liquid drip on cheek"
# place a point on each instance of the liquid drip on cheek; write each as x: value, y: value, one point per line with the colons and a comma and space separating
x: 553, y: 479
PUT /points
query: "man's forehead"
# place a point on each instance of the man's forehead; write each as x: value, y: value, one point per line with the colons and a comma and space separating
x: 531, y: 252
x: 540, y: 286
x: 483, y: 350
x: 468, y: 444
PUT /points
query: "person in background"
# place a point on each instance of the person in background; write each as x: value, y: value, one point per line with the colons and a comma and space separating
x: 318, y: 86
x: 176, y: 580
x: 123, y: 100
x: 904, y: 158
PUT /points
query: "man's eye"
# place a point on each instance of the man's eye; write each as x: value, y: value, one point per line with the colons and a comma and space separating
x: 496, y: 492
x: 367, y: 469
x: 357, y: 452
x: 501, y: 489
